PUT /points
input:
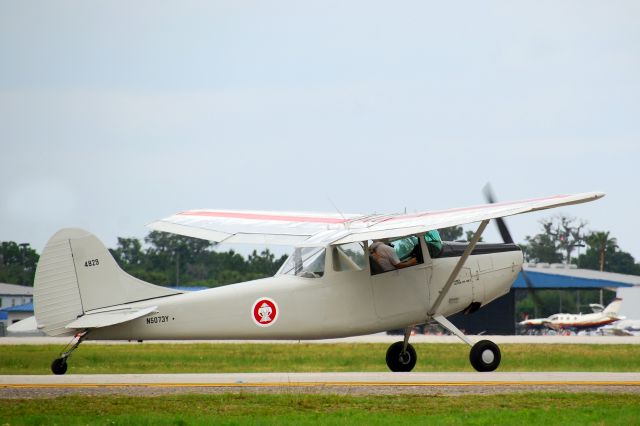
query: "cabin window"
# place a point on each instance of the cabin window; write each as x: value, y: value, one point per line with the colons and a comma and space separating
x: 307, y: 262
x: 406, y: 249
x: 349, y: 257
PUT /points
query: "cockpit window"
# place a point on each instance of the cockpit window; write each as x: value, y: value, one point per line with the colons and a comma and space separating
x: 405, y: 252
x: 405, y: 247
x: 307, y: 262
x: 349, y: 257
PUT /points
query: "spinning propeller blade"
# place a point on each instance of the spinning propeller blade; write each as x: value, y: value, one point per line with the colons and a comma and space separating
x: 507, y: 239
x: 502, y: 226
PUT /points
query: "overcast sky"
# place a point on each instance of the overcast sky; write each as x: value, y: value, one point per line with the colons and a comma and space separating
x: 116, y: 113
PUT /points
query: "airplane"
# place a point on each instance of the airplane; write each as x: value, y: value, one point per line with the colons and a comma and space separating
x: 623, y: 327
x: 600, y: 316
x: 329, y: 287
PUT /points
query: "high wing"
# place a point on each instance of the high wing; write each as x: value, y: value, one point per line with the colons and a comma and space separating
x: 307, y: 229
x: 408, y: 224
x: 255, y: 227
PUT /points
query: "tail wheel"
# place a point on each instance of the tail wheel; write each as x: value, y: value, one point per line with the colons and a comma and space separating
x: 399, y: 360
x: 485, y: 356
x: 59, y: 366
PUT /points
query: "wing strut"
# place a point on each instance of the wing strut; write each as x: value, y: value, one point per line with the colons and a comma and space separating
x: 456, y: 270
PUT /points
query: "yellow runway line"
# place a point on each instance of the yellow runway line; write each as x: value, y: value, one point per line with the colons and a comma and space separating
x: 318, y: 384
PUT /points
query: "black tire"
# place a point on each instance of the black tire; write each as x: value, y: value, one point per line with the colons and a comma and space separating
x: 397, y: 361
x: 485, y: 356
x: 59, y: 366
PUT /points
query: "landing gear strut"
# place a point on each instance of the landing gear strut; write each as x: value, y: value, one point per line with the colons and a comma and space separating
x: 401, y: 356
x: 59, y: 365
x: 484, y: 355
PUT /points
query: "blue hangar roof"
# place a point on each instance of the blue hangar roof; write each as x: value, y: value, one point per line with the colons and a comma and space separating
x: 558, y: 277
x: 27, y: 307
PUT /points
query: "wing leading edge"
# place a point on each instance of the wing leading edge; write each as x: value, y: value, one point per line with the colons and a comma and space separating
x: 305, y: 229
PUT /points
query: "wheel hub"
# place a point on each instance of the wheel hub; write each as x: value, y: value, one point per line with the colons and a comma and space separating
x: 488, y: 356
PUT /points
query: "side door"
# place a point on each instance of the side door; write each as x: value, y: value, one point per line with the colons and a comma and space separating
x: 402, y: 291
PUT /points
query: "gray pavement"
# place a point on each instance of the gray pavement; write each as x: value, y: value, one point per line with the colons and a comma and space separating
x: 381, y: 383
x: 285, y: 379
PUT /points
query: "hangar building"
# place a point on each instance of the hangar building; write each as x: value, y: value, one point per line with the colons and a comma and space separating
x: 498, y: 317
x: 11, y: 296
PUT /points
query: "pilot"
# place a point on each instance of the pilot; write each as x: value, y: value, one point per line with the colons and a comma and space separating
x: 387, y: 258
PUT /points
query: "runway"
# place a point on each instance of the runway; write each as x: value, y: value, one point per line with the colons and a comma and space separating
x: 377, y: 383
x: 351, y: 383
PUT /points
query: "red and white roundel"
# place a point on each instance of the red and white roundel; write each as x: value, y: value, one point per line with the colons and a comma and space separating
x: 265, y: 312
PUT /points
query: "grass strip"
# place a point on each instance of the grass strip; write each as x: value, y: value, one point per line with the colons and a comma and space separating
x: 537, y: 408
x: 230, y: 358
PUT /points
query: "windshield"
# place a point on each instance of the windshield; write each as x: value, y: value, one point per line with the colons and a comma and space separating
x: 307, y: 262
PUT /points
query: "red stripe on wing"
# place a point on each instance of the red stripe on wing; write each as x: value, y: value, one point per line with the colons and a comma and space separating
x: 261, y: 216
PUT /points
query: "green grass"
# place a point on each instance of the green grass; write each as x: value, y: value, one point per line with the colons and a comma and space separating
x: 224, y: 358
x: 539, y: 408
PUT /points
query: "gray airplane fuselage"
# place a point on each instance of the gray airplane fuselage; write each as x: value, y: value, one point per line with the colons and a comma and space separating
x: 337, y: 304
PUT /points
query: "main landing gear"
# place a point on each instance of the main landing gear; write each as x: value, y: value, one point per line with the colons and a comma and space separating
x: 484, y: 355
x: 59, y: 365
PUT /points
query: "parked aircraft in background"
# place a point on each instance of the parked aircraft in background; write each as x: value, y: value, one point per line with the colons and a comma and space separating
x: 334, y: 284
x: 625, y: 327
x: 600, y: 316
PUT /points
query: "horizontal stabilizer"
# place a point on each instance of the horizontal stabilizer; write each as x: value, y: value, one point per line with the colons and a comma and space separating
x: 104, y: 319
x: 27, y: 325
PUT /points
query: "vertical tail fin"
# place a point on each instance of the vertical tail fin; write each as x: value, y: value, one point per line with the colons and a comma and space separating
x: 76, y: 274
x: 613, y: 308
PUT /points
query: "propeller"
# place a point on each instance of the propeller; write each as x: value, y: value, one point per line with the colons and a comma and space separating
x: 502, y: 226
x: 507, y: 239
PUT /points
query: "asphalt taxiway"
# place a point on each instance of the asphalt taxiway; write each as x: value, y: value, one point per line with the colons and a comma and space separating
x: 353, y: 383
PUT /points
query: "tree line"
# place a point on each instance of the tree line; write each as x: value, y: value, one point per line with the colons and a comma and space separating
x: 165, y: 259
x: 562, y: 236
x: 170, y: 259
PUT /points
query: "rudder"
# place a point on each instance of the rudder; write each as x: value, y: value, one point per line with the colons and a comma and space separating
x: 613, y: 308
